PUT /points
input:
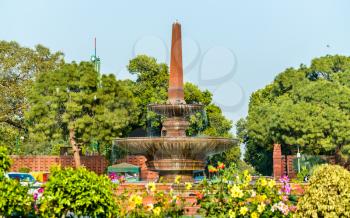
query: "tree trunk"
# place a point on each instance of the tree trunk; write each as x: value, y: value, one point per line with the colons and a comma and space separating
x: 74, y: 147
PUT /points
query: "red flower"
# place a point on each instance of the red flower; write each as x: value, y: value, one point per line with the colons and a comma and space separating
x: 221, y: 165
x: 199, y: 195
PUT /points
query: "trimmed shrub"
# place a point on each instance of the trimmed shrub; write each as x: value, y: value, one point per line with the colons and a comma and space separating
x: 78, y: 192
x: 5, y: 161
x: 14, y: 200
x: 328, y: 194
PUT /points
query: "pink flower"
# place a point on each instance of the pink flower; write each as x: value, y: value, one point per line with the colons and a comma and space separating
x: 284, y: 198
x: 35, y: 196
x: 113, y: 176
x: 284, y: 179
x: 286, y: 189
x: 41, y: 190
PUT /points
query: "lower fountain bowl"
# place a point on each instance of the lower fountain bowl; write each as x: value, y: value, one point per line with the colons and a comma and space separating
x: 175, y: 156
x: 189, y: 148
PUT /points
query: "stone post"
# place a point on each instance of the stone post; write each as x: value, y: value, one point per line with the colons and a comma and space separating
x: 277, y: 161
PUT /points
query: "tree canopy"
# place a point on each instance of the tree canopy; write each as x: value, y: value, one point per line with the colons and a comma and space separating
x: 308, y: 106
x: 72, y: 97
x: 18, y: 67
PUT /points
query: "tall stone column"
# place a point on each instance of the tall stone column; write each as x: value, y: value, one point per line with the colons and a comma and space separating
x: 277, y: 161
x: 175, y: 90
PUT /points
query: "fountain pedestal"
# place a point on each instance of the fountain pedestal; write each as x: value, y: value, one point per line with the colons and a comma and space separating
x: 175, y: 127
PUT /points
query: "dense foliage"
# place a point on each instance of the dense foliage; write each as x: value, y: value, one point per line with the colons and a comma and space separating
x: 308, y: 106
x: 72, y: 97
x: 18, y: 66
x: 80, y: 192
x: 14, y: 199
x: 328, y: 194
x: 5, y: 161
x: 231, y: 194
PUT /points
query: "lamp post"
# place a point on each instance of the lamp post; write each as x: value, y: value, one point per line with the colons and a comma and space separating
x: 298, y: 156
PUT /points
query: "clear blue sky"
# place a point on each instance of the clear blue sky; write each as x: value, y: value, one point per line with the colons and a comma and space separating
x: 265, y: 36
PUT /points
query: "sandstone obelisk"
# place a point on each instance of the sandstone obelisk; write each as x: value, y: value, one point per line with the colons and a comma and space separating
x: 175, y: 90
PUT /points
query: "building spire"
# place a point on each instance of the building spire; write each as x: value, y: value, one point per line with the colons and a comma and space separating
x: 175, y: 90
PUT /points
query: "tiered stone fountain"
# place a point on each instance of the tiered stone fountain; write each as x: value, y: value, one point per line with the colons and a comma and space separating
x: 173, y: 153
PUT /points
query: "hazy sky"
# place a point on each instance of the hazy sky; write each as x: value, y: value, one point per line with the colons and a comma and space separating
x: 231, y: 48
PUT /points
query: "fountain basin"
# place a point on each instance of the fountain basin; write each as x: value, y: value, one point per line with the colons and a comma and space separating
x: 175, y: 110
x: 190, y: 148
x: 172, y: 156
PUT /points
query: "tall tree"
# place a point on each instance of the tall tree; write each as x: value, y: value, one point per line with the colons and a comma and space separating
x: 71, y: 104
x: 308, y: 106
x: 18, y: 66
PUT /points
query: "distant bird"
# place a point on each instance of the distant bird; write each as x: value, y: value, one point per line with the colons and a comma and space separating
x: 328, y: 46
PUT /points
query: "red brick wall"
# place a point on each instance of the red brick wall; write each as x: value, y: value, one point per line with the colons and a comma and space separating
x: 140, y: 161
x: 98, y: 164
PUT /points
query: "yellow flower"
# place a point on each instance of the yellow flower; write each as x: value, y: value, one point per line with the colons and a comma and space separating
x: 271, y: 183
x: 254, y: 215
x: 261, y: 208
x: 135, y: 199
x: 263, y: 182
x: 231, y: 214
x: 171, y: 192
x: 243, y: 211
x: 157, y: 211
x: 151, y: 186
x: 188, y: 185
x: 177, y: 179
x: 236, y: 192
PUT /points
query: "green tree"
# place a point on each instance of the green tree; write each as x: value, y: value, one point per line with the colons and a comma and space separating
x: 308, y: 106
x: 18, y: 66
x: 70, y: 104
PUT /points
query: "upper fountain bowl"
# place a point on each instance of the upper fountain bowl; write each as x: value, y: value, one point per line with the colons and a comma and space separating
x: 176, y: 110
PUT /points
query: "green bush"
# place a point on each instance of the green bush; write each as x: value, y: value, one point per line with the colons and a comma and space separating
x: 14, y: 198
x: 79, y: 191
x: 328, y: 194
x: 5, y: 161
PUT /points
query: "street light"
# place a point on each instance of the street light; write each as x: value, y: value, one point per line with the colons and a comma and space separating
x: 298, y: 156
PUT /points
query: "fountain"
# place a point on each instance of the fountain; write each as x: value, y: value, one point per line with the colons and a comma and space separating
x: 173, y: 153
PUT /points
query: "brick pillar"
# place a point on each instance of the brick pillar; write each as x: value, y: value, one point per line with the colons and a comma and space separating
x: 175, y: 90
x: 277, y: 161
